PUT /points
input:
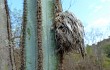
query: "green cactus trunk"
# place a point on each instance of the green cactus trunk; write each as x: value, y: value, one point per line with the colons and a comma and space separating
x: 50, y: 59
x: 39, y: 45
x: 30, y: 35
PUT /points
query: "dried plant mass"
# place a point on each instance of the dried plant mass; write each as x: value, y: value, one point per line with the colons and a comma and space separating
x: 69, y: 33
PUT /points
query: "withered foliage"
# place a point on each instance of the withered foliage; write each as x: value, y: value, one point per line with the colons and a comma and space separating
x: 69, y: 33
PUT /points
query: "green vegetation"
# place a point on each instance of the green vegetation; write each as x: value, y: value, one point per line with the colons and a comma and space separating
x: 89, y: 49
x: 107, y: 50
x: 97, y: 58
x: 106, y: 63
x: 100, y: 60
x: 106, y: 57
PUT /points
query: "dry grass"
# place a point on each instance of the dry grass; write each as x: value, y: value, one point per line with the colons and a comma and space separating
x: 76, y: 62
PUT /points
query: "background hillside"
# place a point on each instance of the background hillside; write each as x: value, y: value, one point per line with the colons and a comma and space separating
x: 97, y: 58
x: 100, y: 54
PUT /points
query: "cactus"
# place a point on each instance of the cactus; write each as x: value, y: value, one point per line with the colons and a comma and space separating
x: 39, y: 43
x: 6, y: 61
x: 29, y: 46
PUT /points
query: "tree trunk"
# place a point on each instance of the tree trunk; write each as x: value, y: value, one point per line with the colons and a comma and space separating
x: 6, y: 63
